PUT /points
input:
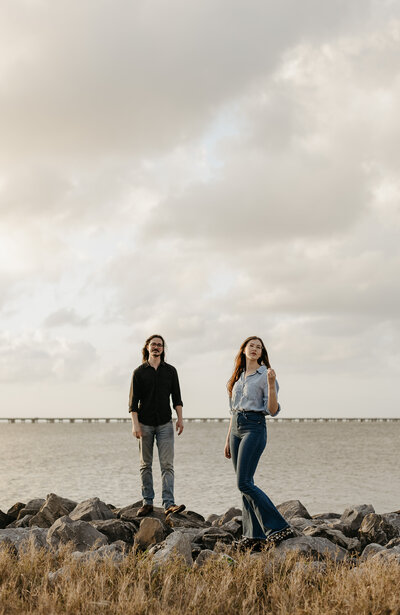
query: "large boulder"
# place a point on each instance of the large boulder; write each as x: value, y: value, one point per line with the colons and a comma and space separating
x: 14, y: 510
x: 116, y: 530
x: 31, y: 508
x: 310, y: 546
x: 5, y: 519
x: 20, y: 538
x: 91, y: 510
x: 375, y: 528
x: 293, y: 508
x: 151, y: 532
x: 227, y: 516
x: 351, y: 519
x: 80, y: 533
x: 208, y: 537
x: 187, y: 519
x: 176, y: 546
x: 53, y: 508
x: 335, y: 536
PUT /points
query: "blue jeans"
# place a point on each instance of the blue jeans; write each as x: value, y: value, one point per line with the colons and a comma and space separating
x: 247, y: 441
x: 164, y: 437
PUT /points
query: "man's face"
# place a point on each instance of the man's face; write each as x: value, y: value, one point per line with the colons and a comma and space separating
x: 155, y: 347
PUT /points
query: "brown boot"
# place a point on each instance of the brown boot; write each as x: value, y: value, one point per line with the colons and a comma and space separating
x: 144, y: 510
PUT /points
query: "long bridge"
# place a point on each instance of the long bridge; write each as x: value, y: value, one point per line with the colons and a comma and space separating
x: 89, y: 419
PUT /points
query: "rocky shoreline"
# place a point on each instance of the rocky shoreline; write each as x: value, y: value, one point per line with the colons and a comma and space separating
x: 97, y: 530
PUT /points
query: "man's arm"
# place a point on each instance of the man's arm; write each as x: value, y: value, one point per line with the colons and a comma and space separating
x: 177, y: 402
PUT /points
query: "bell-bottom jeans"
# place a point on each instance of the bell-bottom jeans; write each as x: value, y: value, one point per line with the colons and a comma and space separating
x: 163, y: 435
x: 247, y: 441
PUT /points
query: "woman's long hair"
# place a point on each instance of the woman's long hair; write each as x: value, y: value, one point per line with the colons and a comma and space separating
x: 240, y: 362
x: 145, y: 352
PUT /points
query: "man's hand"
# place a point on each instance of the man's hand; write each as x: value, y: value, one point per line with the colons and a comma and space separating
x: 179, y: 426
x: 137, y: 431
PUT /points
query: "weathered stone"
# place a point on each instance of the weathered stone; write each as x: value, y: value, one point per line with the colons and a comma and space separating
x: 176, y: 545
x: 325, y: 516
x: 14, y: 510
x: 80, y: 533
x: 116, y: 529
x: 5, y: 520
x: 151, y: 532
x: 203, y: 556
x: 374, y: 528
x: 232, y: 528
x: 335, y: 536
x: 395, y: 542
x: 24, y: 522
x: 115, y: 552
x: 300, y: 524
x: 186, y: 519
x: 212, y: 518
x: 370, y: 550
x: 388, y: 555
x: 22, y: 537
x: 127, y: 509
x: 228, y: 516
x: 92, y: 509
x: 209, y: 537
x: 317, y: 548
x: 394, y: 520
x: 293, y: 508
x: 353, y: 517
x: 130, y: 514
x: 53, y: 508
x: 32, y: 507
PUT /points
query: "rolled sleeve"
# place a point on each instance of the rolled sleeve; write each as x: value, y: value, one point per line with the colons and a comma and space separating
x: 176, y: 391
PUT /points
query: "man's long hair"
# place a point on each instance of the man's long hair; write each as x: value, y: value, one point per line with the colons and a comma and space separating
x: 145, y: 352
x: 240, y: 362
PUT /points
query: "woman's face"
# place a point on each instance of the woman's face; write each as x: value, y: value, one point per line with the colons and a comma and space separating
x: 253, y: 350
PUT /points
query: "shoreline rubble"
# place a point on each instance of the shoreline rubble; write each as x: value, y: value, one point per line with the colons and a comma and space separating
x: 97, y: 530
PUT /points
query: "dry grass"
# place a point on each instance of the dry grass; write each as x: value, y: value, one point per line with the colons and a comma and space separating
x: 252, y: 586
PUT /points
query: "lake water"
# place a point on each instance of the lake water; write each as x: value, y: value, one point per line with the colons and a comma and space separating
x: 327, y: 466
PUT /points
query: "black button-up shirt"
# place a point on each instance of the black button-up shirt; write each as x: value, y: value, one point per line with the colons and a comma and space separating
x: 150, y: 392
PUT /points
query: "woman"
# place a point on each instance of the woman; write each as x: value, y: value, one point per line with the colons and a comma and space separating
x: 253, y: 393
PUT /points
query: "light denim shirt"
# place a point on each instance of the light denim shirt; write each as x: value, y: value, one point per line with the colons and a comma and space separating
x: 251, y: 394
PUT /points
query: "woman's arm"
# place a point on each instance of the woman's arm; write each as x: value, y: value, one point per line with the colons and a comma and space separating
x: 272, y: 394
x: 227, y: 449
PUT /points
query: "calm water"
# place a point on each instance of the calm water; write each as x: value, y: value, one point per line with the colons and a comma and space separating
x: 328, y: 466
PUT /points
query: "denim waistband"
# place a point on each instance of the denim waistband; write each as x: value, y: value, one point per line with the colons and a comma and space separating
x: 244, y: 411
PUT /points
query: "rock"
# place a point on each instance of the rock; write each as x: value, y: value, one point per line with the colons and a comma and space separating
x: 232, y: 527
x: 212, y: 518
x: 209, y: 537
x: 92, y: 509
x: 116, y: 530
x: 151, y: 532
x: 374, y: 528
x: 325, y: 516
x: 176, y: 545
x: 5, y: 520
x: 394, y: 520
x: 21, y: 538
x: 352, y: 518
x: 293, y: 508
x: 129, y: 513
x: 300, y: 524
x: 371, y: 550
x: 80, y: 533
x: 53, y: 508
x: 388, y: 555
x: 14, y: 510
x: 24, y: 522
x: 395, y: 542
x: 335, y: 536
x: 228, y: 516
x: 115, y: 552
x: 309, y: 546
x: 32, y: 507
x: 186, y: 519
x: 203, y: 556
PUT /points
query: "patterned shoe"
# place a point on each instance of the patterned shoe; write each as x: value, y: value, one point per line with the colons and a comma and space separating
x: 277, y: 537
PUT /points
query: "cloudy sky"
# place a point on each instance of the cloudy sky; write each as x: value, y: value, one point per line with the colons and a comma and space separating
x: 208, y: 170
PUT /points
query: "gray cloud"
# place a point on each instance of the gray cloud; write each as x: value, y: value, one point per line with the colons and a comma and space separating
x: 66, y: 316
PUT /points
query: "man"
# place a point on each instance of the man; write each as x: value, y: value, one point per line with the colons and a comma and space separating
x: 152, y: 384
